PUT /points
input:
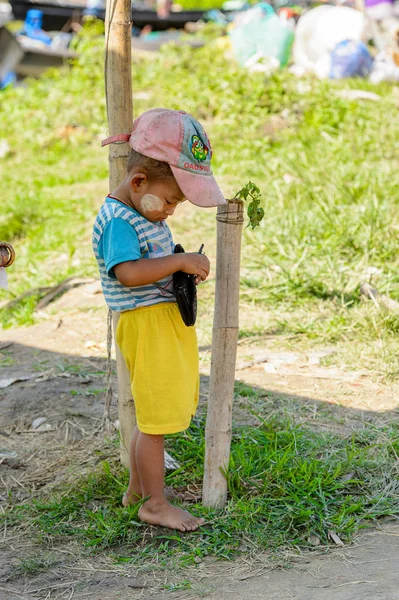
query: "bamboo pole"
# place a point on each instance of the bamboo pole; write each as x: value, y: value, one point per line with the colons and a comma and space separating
x: 218, y: 430
x: 118, y: 91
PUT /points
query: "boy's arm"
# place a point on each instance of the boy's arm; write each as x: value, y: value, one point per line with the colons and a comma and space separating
x: 134, y: 273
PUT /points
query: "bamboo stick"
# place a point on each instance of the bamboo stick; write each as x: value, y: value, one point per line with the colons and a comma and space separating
x: 218, y: 430
x: 118, y: 90
x: 126, y: 412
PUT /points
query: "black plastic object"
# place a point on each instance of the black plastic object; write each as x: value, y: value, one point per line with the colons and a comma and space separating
x: 186, y: 293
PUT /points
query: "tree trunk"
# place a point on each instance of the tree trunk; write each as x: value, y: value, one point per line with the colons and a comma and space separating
x: 118, y: 90
x: 224, y: 351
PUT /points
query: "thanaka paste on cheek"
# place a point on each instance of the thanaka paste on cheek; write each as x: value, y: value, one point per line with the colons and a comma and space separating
x: 151, y: 203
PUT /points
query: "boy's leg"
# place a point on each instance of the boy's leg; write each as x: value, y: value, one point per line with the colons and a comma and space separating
x: 134, y: 491
x: 157, y: 510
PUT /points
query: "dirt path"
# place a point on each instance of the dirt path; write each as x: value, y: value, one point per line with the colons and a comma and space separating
x: 367, y: 569
x: 60, y: 364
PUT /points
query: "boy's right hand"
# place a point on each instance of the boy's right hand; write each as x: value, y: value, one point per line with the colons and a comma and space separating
x: 195, y: 264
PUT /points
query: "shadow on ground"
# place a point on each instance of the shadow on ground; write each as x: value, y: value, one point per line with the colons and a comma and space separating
x: 67, y: 391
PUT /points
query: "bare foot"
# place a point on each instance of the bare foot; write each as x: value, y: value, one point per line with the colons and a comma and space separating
x: 134, y: 497
x: 166, y: 515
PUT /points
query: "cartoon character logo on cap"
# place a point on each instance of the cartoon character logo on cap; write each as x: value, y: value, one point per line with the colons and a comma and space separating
x: 199, y: 150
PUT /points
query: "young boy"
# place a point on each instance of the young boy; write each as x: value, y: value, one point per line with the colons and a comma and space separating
x: 170, y: 161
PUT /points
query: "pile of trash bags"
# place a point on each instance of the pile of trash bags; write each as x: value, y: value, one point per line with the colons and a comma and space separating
x: 332, y: 41
x: 327, y: 41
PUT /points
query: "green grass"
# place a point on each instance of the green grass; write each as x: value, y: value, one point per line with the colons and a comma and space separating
x: 201, y: 4
x: 33, y: 565
x: 285, y: 483
x: 329, y: 181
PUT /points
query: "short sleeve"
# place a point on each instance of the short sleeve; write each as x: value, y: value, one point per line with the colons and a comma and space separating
x: 119, y: 243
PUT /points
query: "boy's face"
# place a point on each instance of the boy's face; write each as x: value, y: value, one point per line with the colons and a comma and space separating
x: 158, y: 201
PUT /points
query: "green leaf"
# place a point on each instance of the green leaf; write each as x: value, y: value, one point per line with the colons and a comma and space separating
x: 254, y: 211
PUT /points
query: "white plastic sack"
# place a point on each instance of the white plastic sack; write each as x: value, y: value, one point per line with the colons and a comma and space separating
x: 379, y: 9
x: 319, y: 31
x: 384, y: 68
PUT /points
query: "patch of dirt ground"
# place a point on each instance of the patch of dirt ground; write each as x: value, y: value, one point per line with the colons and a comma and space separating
x: 58, y: 368
x: 367, y: 569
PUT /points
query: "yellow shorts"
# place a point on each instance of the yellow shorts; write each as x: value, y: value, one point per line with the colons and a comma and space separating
x: 161, y: 354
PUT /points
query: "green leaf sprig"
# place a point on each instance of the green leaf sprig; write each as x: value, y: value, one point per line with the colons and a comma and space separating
x: 254, y: 211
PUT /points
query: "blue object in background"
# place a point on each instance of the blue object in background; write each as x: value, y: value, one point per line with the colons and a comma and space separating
x: 350, y: 59
x: 33, y: 27
x: 93, y: 8
x: 9, y: 79
x: 216, y: 16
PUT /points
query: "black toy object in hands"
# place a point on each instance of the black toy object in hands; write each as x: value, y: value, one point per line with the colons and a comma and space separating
x: 186, y: 293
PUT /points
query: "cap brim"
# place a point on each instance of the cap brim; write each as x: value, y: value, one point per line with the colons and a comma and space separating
x: 201, y: 190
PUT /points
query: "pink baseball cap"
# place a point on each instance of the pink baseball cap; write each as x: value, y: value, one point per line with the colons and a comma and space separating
x: 175, y: 137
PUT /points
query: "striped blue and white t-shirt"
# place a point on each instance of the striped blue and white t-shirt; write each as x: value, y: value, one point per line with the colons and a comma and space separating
x: 121, y: 234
